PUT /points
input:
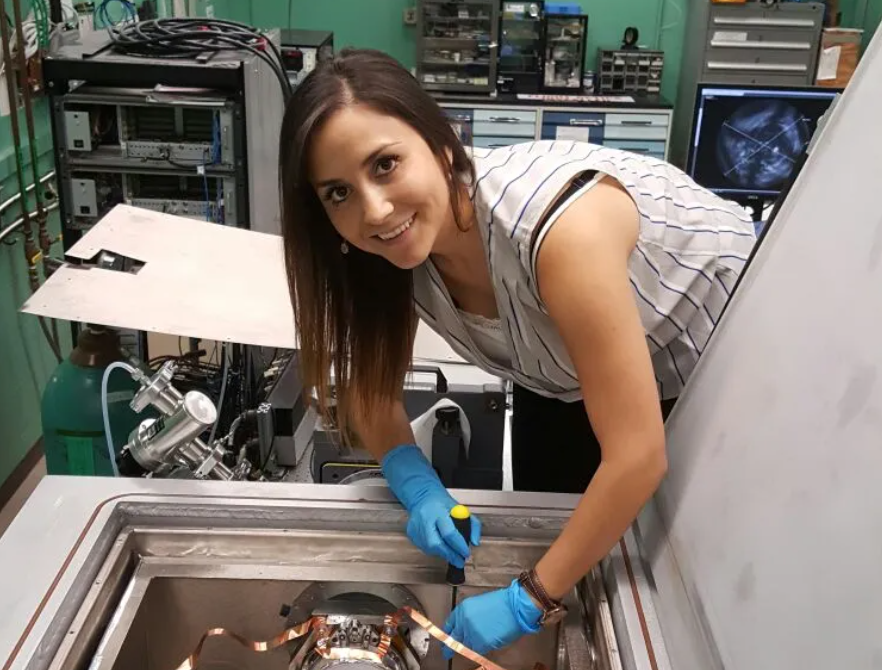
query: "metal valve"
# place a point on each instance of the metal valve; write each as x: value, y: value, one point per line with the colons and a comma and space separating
x: 156, y: 441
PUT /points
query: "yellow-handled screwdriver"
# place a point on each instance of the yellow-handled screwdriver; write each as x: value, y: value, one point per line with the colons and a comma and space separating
x: 462, y: 520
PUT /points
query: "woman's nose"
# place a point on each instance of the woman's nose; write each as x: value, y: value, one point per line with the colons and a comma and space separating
x: 377, y: 207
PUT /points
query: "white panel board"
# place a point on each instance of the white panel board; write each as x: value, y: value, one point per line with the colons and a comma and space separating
x: 199, y: 280
x: 768, y: 553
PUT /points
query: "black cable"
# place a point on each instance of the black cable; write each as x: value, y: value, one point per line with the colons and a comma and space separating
x: 192, y: 40
x: 189, y: 38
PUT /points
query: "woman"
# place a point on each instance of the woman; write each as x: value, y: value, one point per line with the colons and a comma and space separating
x: 590, y: 277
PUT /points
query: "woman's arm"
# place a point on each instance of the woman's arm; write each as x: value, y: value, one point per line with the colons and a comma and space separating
x: 387, y: 427
x: 583, y: 281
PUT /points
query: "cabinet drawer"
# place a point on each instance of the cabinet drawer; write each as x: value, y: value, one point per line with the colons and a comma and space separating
x: 593, y: 134
x: 645, y: 120
x: 645, y: 147
x: 505, y: 129
x: 807, y: 16
x: 635, y: 133
x: 759, y: 78
x: 778, y: 58
x: 578, y: 126
x: 713, y: 69
x: 586, y: 119
x: 750, y: 38
x: 506, y: 115
x: 496, y: 142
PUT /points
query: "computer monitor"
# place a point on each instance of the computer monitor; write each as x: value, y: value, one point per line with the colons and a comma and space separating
x: 747, y: 141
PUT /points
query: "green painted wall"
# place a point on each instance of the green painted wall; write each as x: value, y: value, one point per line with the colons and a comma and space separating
x: 379, y: 24
x: 26, y: 361
x: 854, y: 17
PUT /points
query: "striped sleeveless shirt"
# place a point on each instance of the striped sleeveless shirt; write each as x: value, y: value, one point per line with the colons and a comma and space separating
x: 691, y: 247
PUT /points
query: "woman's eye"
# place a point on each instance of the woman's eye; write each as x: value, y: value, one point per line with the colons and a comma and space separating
x: 386, y: 164
x: 336, y: 195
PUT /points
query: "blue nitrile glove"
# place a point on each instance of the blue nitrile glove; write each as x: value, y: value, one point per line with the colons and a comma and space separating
x: 493, y: 620
x: 429, y: 526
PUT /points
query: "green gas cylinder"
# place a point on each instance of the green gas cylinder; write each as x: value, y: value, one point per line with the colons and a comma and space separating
x: 73, y: 426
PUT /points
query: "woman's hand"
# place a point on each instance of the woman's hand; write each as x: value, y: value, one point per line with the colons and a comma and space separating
x: 416, y: 484
x: 493, y: 620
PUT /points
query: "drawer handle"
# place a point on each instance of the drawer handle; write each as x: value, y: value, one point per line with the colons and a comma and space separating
x: 625, y: 122
x: 635, y: 150
x: 505, y: 119
x: 764, y: 67
x: 768, y: 23
x: 586, y: 122
x: 759, y: 44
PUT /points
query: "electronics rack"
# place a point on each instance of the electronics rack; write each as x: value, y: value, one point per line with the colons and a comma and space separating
x: 197, y: 137
x: 193, y: 137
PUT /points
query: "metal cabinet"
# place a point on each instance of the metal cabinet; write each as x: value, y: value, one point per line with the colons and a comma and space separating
x: 762, y: 45
x: 520, y: 46
x: 564, y: 61
x: 750, y: 43
x: 457, y: 45
x: 642, y: 131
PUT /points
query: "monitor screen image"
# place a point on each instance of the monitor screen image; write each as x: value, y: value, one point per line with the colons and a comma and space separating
x: 747, y: 141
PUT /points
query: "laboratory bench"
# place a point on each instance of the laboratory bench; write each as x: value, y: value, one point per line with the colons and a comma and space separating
x: 640, y: 124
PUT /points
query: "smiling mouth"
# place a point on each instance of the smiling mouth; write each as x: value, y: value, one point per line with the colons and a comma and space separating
x: 392, y: 234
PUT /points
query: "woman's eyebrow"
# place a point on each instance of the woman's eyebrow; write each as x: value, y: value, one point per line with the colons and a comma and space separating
x: 376, y: 152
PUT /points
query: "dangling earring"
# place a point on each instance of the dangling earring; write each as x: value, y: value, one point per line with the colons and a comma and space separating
x: 344, y: 247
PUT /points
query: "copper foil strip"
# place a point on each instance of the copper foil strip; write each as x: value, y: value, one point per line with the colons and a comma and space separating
x: 323, y: 633
x: 191, y: 662
x: 448, y: 641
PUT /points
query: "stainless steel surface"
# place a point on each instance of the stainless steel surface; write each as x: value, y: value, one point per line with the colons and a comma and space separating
x: 157, y: 391
x: 265, y: 104
x: 155, y: 442
x: 639, y: 642
x: 182, y: 445
x: 360, y: 610
x: 145, y: 567
x: 764, y: 539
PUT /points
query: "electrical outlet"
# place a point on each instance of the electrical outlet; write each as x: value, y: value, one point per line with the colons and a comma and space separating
x: 410, y: 16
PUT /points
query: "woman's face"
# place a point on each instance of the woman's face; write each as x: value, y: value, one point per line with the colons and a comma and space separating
x: 383, y: 189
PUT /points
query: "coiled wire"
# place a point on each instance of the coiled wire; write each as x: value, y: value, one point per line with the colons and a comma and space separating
x: 180, y: 38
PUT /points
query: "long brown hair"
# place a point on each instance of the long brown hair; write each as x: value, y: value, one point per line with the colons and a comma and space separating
x: 354, y: 311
